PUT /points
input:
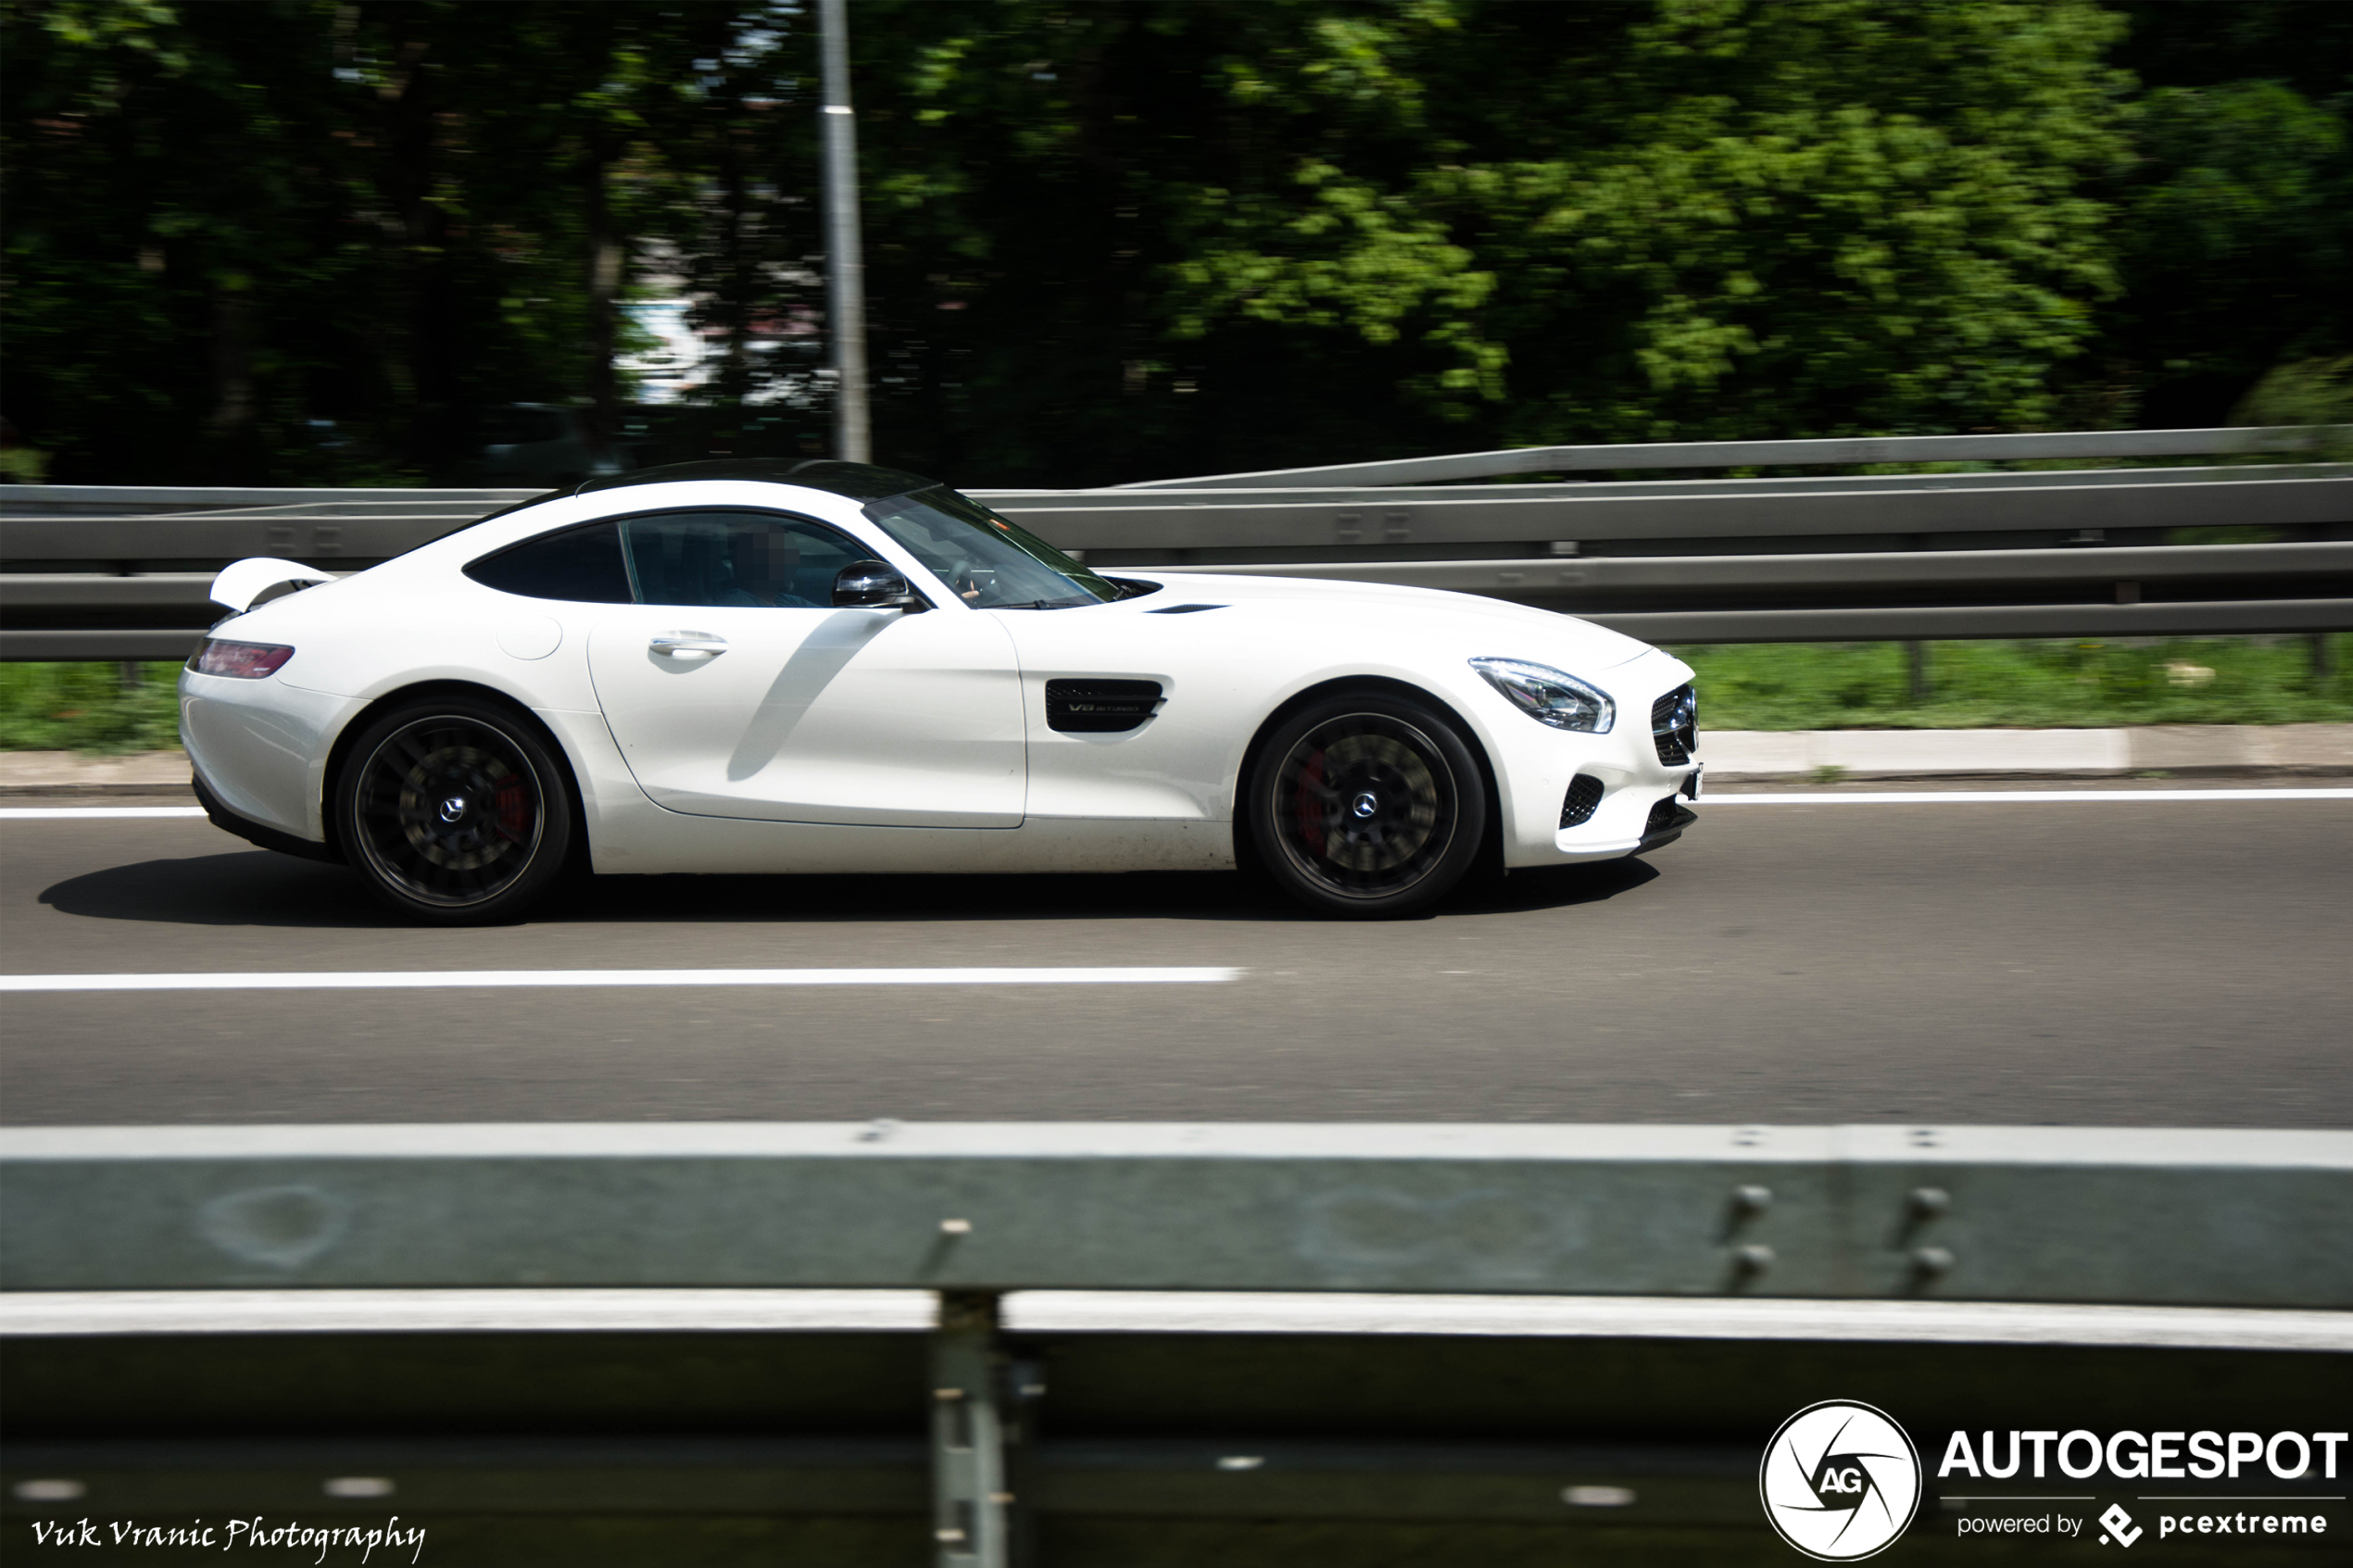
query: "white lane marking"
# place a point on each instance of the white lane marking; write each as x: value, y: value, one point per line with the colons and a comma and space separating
x: 1860, y: 1145
x: 1149, y: 1311
x: 1983, y: 797
x: 1116, y: 1312
x: 548, y: 1311
x: 85, y: 813
x: 453, y: 979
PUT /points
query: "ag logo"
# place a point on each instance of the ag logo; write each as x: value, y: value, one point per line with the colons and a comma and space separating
x: 1840, y: 1481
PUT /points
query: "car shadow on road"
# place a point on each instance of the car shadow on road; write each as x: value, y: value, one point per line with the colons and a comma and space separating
x: 243, y: 887
x: 1552, y: 888
x: 257, y: 888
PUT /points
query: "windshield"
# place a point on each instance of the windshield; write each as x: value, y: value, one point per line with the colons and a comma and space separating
x: 991, y: 564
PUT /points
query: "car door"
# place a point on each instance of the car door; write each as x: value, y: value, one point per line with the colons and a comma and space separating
x: 735, y: 689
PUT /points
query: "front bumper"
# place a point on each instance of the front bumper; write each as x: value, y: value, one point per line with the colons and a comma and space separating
x: 1666, y: 824
x: 1642, y: 778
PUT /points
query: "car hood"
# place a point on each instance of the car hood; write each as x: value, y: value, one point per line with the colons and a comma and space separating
x: 1591, y: 646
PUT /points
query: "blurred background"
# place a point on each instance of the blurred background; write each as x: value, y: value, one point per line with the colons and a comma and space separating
x: 434, y: 242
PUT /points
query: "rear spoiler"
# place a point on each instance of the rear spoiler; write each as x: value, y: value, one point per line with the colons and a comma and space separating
x: 242, y: 582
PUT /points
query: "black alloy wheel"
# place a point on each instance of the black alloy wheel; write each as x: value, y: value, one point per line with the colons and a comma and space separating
x: 1367, y: 805
x: 455, y: 810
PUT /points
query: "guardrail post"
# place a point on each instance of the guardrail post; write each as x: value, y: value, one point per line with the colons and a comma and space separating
x: 970, y: 1524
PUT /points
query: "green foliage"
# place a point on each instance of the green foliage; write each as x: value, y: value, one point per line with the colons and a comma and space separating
x: 2307, y: 391
x: 88, y: 707
x: 2026, y: 685
x: 309, y: 241
x: 292, y: 242
x: 1303, y: 231
x: 1813, y: 216
x: 2235, y: 232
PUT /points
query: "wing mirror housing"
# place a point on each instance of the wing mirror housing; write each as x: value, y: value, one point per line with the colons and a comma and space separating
x: 875, y: 584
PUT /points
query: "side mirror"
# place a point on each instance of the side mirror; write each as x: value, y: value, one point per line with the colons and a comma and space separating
x: 874, y: 585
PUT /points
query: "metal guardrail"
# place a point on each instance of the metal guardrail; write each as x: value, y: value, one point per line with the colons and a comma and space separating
x: 113, y: 573
x: 1846, y: 1218
x: 1248, y: 1449
x: 1840, y: 450
x: 2084, y: 1215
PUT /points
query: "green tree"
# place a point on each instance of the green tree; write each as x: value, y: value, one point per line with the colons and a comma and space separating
x: 233, y: 226
x: 2236, y: 236
x: 1130, y: 237
x: 156, y: 201
x: 1281, y: 233
x: 1808, y: 216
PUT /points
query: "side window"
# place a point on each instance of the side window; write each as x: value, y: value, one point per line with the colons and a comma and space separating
x: 580, y: 564
x: 744, y: 558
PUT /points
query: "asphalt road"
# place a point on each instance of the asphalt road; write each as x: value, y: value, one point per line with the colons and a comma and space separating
x: 2127, y: 963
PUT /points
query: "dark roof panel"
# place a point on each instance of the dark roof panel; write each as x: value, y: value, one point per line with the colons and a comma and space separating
x: 857, y: 481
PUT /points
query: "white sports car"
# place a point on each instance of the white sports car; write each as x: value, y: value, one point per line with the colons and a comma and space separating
x: 831, y: 667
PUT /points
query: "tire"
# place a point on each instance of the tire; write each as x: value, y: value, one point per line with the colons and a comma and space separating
x: 455, y: 810
x: 1366, y: 805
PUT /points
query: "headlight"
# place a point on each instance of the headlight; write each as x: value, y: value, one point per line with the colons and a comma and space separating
x: 1549, y: 696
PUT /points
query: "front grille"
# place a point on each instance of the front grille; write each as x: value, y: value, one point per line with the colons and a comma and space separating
x: 1584, y: 794
x: 1675, y: 727
x: 1100, y: 707
x: 1662, y: 816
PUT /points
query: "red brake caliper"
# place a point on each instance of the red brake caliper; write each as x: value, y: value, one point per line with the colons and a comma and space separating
x: 1307, y: 807
x: 514, y: 809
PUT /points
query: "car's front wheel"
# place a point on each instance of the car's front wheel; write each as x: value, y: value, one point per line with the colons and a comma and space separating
x: 1367, y: 804
x: 455, y: 810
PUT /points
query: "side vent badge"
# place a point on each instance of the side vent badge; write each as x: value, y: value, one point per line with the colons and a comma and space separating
x: 1100, y: 707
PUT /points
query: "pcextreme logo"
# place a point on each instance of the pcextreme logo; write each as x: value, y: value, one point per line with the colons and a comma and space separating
x: 1840, y: 1481
x: 2119, y: 1524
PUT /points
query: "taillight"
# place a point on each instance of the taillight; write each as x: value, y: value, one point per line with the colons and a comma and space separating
x: 243, y: 661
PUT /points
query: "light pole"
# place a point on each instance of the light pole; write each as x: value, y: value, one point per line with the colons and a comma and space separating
x: 845, y: 264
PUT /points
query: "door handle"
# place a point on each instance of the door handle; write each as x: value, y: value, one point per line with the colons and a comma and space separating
x: 674, y: 643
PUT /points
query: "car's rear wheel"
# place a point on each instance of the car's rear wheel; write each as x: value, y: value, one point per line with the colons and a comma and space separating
x: 1367, y: 804
x: 455, y: 810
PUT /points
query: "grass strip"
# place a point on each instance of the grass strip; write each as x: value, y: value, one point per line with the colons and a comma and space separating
x: 88, y: 707
x: 2042, y: 685
x: 2074, y: 683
